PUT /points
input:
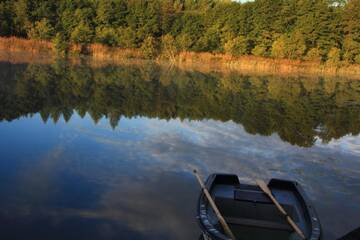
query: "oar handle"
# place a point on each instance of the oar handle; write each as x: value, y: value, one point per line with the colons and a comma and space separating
x: 214, y: 207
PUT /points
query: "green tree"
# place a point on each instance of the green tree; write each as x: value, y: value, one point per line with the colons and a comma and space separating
x: 167, y: 16
x: 237, y: 46
x: 107, y: 35
x: 351, y: 22
x: 21, y: 17
x: 295, y: 29
x: 5, y: 18
x: 184, y: 42
x: 263, y: 44
x: 190, y: 28
x: 82, y: 35
x: 61, y: 46
x: 41, y: 30
x: 351, y: 48
x: 111, y: 13
x: 127, y: 37
x: 351, y: 19
x: 210, y: 41
x: 295, y: 45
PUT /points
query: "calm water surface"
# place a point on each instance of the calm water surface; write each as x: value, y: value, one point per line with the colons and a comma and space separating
x: 107, y: 152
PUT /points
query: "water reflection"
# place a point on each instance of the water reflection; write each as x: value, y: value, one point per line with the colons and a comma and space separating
x: 299, y: 110
x: 106, y: 153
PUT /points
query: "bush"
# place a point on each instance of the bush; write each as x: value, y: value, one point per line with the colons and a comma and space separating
x: 290, y: 46
x: 127, y: 37
x: 149, y: 48
x: 107, y: 36
x: 313, y: 55
x: 334, y: 56
x: 169, y: 47
x: 41, y: 30
x: 259, y: 51
x: 278, y: 49
x: 184, y: 42
x: 237, y: 46
x: 351, y: 49
x: 229, y: 46
x: 357, y: 59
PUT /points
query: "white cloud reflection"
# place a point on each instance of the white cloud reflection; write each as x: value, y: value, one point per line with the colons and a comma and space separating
x: 139, y: 176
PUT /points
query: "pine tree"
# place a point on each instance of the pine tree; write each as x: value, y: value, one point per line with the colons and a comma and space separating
x: 351, y: 21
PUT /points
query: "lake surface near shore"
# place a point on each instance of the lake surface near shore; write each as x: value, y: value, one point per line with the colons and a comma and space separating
x: 107, y: 152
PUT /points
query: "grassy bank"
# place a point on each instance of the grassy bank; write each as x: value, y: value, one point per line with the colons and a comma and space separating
x: 260, y: 65
x: 23, y: 50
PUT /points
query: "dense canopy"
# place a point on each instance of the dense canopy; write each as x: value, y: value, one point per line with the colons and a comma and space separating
x: 327, y: 30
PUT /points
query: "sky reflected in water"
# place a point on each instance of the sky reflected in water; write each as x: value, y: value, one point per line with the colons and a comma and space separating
x: 77, y: 179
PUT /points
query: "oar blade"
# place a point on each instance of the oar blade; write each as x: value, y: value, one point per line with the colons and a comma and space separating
x: 264, y: 187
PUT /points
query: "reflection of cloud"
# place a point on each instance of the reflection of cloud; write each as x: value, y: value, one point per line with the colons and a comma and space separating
x: 35, y: 183
x: 154, y: 205
x: 347, y: 144
x: 138, y: 176
x: 327, y: 172
x: 149, y: 207
x: 213, y: 146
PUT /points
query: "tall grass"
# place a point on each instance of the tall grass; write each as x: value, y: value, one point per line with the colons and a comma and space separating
x: 24, y: 50
x: 14, y: 44
x: 252, y: 64
x: 105, y: 53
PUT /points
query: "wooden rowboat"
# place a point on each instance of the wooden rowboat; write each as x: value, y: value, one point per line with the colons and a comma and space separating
x: 251, y: 214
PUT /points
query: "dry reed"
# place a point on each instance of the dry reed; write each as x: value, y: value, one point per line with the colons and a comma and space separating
x: 15, y: 49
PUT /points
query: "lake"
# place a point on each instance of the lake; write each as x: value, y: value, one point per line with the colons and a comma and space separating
x: 106, y: 152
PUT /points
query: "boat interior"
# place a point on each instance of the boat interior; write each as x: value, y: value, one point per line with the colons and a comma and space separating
x: 251, y: 214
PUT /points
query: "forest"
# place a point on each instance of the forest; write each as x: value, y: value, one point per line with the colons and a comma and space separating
x: 314, y: 30
x: 300, y: 110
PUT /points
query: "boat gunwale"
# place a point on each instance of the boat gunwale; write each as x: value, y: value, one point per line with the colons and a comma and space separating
x: 315, y: 228
x: 306, y: 204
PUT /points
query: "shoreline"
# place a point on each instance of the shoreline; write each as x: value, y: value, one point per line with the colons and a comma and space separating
x: 16, y: 50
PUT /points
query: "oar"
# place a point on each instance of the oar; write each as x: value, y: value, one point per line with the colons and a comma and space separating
x: 267, y: 191
x: 216, y: 210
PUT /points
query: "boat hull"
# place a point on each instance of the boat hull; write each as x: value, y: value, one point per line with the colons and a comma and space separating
x: 251, y: 214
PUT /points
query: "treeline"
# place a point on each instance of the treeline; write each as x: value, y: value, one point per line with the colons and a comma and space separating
x: 316, y: 30
x: 299, y: 110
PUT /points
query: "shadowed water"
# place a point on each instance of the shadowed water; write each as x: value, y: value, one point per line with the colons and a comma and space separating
x: 107, y: 152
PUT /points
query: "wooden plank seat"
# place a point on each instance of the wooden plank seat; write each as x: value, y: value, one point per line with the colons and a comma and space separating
x: 258, y: 223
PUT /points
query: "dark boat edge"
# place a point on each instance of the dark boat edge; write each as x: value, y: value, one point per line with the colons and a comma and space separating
x: 214, y: 234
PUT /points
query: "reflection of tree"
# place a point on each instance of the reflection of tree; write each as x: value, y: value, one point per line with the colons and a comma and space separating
x: 297, y: 109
